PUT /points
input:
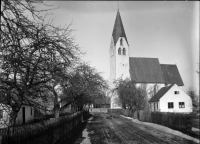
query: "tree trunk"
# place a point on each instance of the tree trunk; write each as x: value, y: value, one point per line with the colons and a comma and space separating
x: 138, y: 115
x: 57, y: 113
x: 57, y: 110
x: 13, y: 117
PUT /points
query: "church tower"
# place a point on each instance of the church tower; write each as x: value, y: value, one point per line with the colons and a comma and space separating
x: 119, y: 53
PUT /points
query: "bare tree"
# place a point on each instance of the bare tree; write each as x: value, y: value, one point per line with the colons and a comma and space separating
x: 83, y: 87
x: 130, y: 95
x: 192, y: 93
x: 32, y: 55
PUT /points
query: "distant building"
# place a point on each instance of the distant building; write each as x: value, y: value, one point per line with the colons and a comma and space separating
x: 171, y: 99
x: 141, y: 70
x: 4, y: 115
x: 25, y: 114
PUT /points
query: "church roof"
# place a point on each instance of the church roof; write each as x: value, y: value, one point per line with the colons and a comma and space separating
x: 118, y: 30
x: 159, y: 94
x: 171, y: 74
x: 146, y: 70
x: 149, y: 70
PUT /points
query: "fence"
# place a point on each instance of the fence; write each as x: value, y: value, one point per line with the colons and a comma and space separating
x: 175, y: 121
x: 125, y: 112
x: 193, y: 122
x: 47, y: 132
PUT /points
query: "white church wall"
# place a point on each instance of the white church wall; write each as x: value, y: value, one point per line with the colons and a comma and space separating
x: 112, y: 62
x: 119, y: 65
x: 122, y: 61
x: 115, y: 104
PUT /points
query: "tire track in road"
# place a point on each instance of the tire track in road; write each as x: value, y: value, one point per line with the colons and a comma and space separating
x: 125, y: 138
x: 147, y: 136
x: 131, y: 133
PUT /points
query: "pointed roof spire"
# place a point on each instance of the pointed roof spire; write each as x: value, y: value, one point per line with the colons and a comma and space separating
x: 118, y: 30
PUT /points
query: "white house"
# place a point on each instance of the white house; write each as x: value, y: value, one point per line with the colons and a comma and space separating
x: 25, y: 115
x: 4, y: 115
x: 141, y: 70
x: 171, y: 99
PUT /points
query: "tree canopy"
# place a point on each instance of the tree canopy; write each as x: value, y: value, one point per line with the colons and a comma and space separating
x: 84, y: 86
x: 130, y: 95
x: 40, y: 62
x: 33, y: 55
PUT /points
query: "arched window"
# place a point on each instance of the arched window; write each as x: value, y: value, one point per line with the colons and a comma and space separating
x: 124, y: 51
x: 119, y: 51
x: 121, y: 41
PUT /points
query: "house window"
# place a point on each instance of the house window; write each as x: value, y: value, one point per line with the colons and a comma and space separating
x: 176, y: 92
x: 121, y: 41
x: 170, y: 105
x: 119, y: 51
x: 1, y: 114
x: 181, y: 105
x: 124, y: 51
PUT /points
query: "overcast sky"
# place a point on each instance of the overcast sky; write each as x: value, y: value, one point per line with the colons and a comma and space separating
x: 165, y: 30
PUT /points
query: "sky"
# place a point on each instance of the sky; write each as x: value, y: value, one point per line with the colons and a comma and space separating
x: 168, y: 31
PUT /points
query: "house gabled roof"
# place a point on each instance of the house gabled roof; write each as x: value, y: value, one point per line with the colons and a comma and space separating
x: 118, y: 30
x: 145, y: 70
x: 171, y: 74
x: 160, y: 93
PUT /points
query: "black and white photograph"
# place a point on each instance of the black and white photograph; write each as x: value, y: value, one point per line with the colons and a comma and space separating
x: 99, y: 72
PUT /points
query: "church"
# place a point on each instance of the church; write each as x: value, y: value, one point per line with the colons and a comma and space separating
x: 141, y: 70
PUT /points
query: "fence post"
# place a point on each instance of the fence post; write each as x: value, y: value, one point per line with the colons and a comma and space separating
x: 1, y: 137
x: 188, y: 125
x: 82, y: 117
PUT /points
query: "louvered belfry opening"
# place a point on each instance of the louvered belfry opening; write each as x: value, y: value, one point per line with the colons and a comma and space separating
x: 119, y: 51
x: 124, y: 51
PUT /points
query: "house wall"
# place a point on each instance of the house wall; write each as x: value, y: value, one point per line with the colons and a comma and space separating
x: 157, y: 106
x: 114, y: 102
x: 28, y: 116
x: 176, y: 98
x: 4, y: 121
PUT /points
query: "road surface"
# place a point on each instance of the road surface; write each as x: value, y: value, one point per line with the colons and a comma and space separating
x: 104, y: 128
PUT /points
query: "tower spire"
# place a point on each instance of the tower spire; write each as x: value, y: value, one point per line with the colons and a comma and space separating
x: 118, y: 30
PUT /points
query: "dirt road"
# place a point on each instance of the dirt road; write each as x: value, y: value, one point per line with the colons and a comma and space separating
x: 106, y: 129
